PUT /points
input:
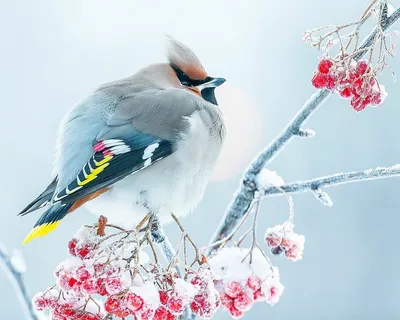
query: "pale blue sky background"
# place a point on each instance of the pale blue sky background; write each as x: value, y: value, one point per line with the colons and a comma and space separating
x: 53, y: 53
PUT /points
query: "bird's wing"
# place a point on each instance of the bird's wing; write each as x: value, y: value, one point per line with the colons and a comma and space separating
x: 112, y: 160
x: 141, y: 130
x: 42, y: 200
x: 132, y: 139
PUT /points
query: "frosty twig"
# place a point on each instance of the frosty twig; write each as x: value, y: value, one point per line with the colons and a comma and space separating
x: 336, y: 179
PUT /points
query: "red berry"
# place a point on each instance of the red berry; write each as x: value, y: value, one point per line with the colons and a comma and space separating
x: 101, y: 287
x: 72, y: 246
x: 121, y: 313
x: 226, y: 301
x: 258, y: 295
x: 320, y: 80
x: 133, y: 302
x: 175, y: 305
x: 345, y: 93
x: 331, y: 81
x: 372, y: 81
x: 41, y: 303
x: 273, y: 240
x: 194, y: 307
x: 235, y: 313
x: 82, y: 274
x: 72, y: 282
x: 363, y: 67
x: 113, y: 284
x: 163, y: 297
x: 233, y: 289
x: 163, y: 314
x: 112, y: 304
x: 357, y: 104
x: 376, y: 99
x: 254, y: 283
x: 69, y: 313
x: 82, y: 252
x: 90, y: 286
x: 325, y: 65
x: 243, y: 302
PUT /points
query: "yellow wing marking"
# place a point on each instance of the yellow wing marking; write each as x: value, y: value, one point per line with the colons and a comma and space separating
x: 93, y: 174
x: 105, y: 160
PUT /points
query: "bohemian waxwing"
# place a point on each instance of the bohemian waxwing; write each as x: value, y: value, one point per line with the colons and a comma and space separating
x: 139, y: 145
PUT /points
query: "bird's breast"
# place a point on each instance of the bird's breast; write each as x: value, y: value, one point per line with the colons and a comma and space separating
x: 175, y: 184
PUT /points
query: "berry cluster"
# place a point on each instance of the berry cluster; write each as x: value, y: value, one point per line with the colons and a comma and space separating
x: 242, y: 284
x: 67, y: 307
x: 282, y: 238
x: 206, y: 301
x: 107, y: 267
x: 351, y: 80
x: 116, y: 271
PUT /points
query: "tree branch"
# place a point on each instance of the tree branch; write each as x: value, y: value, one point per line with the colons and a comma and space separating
x: 335, y: 180
x: 245, y: 194
x: 16, y: 278
x: 159, y: 237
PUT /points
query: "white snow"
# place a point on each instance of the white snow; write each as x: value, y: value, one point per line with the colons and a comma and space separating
x: 227, y: 263
x: 267, y: 178
x: 185, y: 290
x: 391, y: 9
x: 149, y: 293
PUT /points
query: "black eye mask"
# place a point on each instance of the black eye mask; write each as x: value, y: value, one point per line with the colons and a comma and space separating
x: 185, y: 79
x: 207, y: 93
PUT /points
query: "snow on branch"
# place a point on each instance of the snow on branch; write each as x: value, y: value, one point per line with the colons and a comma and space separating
x: 14, y: 267
x: 246, y: 192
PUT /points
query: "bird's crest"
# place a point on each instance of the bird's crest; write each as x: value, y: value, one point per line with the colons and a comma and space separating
x: 183, y: 57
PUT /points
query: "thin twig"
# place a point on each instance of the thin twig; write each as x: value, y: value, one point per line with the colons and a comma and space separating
x: 195, y: 247
x: 16, y: 278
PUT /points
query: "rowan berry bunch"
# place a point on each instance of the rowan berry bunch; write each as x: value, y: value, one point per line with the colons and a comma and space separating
x: 344, y: 73
x: 112, y: 276
x: 282, y: 239
x: 245, y: 280
x: 351, y: 80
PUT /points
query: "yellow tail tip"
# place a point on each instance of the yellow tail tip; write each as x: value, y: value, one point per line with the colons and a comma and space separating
x: 40, y: 231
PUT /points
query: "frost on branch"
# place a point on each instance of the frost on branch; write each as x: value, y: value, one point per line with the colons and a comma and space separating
x: 323, y: 197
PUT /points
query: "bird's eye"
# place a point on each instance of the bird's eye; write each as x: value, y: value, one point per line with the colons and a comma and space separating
x: 183, y: 77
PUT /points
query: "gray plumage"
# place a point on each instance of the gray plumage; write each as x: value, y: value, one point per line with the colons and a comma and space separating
x: 154, y: 103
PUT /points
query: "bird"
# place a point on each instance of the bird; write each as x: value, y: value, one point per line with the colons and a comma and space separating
x: 144, y: 144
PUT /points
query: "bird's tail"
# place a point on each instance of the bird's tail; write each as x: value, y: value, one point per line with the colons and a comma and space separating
x: 48, y: 221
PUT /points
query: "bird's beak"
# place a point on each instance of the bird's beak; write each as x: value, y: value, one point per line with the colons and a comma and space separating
x: 215, y: 82
x: 211, y: 83
x: 207, y: 89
